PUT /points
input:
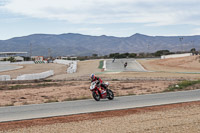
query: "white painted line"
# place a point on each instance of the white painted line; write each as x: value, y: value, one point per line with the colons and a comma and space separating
x: 140, y: 65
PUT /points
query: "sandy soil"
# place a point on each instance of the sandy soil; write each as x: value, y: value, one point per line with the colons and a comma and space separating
x: 183, y: 64
x: 44, y: 92
x: 175, y: 118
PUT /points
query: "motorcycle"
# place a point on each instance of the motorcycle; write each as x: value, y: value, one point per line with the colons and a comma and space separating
x: 99, y: 92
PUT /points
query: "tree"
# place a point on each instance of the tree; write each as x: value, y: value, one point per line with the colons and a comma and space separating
x: 162, y: 52
x: 11, y: 59
x: 132, y: 55
x: 94, y: 55
x: 193, y: 50
x: 112, y: 55
x: 5, y: 59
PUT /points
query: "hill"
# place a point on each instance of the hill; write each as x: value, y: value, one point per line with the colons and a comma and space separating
x: 78, y: 44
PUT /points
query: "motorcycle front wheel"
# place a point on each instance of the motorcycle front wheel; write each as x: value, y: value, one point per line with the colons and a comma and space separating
x: 110, y: 95
x: 96, y: 96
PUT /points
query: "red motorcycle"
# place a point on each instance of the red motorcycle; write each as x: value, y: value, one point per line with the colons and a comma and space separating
x: 99, y: 92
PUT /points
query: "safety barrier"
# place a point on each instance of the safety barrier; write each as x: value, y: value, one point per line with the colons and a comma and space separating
x: 65, y: 62
x: 72, y: 65
x: 35, y: 76
x: 23, y: 62
x: 104, y: 65
x: 176, y: 55
x: 39, y: 62
x: 4, y: 77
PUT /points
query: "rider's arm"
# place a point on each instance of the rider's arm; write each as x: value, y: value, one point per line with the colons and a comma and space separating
x: 100, y: 81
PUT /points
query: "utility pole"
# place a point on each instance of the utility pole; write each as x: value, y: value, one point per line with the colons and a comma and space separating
x: 192, y: 44
x: 49, y: 53
x: 181, y: 38
x: 30, y: 51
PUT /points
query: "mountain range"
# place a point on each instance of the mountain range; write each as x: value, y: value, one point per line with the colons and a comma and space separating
x: 71, y: 44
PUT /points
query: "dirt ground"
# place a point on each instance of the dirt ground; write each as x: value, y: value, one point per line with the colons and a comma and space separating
x: 178, y: 118
x: 45, y: 92
x: 63, y: 88
x: 182, y: 64
x: 174, y: 118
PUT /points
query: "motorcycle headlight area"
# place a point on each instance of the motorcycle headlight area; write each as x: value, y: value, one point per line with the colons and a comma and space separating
x: 92, y: 86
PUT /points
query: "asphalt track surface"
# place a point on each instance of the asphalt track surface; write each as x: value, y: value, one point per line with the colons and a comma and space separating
x: 25, y: 112
x: 118, y: 65
x: 8, y: 67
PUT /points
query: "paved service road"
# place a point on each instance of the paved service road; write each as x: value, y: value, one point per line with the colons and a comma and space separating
x: 118, y: 65
x: 87, y: 106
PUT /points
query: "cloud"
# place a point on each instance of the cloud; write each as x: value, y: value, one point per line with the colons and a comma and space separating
x: 150, y: 12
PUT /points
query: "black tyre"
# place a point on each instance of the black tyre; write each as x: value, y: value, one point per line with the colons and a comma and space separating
x: 110, y: 95
x: 96, y: 96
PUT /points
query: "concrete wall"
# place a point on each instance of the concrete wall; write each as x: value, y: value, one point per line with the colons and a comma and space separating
x: 23, y: 62
x: 72, y: 65
x: 176, y: 55
x: 104, y: 64
x: 65, y: 62
x: 35, y: 75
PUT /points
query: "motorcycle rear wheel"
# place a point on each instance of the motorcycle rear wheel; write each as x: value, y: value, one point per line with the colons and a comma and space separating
x: 96, y: 96
x: 110, y: 95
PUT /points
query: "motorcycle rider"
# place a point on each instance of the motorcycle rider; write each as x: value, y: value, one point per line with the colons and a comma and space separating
x: 99, y: 81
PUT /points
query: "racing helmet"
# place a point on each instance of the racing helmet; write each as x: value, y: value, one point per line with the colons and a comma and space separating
x: 92, y: 76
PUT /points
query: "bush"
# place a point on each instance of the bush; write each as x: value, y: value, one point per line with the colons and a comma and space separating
x: 183, y: 85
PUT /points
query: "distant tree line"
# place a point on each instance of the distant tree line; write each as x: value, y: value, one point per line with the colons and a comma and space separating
x: 123, y: 55
x: 135, y: 55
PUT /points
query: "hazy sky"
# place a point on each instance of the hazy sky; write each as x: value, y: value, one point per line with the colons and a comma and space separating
x: 120, y: 18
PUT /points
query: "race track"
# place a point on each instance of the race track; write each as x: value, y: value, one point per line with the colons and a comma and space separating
x: 118, y: 65
x: 86, y: 106
x: 9, y: 67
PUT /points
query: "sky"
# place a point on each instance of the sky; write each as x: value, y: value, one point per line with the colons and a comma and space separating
x: 120, y: 18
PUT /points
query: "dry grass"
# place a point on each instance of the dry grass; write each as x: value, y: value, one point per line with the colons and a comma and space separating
x: 35, y: 93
